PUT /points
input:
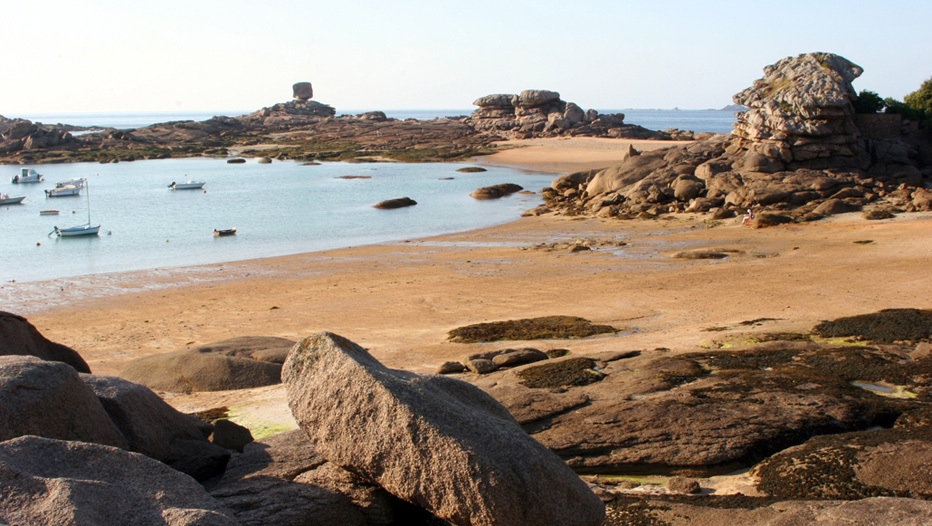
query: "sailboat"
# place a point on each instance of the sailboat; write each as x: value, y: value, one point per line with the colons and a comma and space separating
x: 82, y: 230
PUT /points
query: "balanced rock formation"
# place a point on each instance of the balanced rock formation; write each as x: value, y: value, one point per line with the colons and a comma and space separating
x: 19, y: 337
x: 53, y: 482
x: 429, y: 439
x: 235, y: 363
x: 303, y: 90
x: 541, y: 113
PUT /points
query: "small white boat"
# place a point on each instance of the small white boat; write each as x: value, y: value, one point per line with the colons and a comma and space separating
x: 63, y: 191
x: 28, y: 175
x: 225, y: 232
x: 81, y: 230
x: 190, y: 185
x: 74, y: 181
x: 7, y: 200
x: 48, y: 212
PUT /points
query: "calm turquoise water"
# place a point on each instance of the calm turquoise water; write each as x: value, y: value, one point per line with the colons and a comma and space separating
x: 716, y: 121
x: 278, y: 209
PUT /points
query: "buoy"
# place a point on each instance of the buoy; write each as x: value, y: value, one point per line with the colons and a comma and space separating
x: 166, y: 241
x: 38, y: 244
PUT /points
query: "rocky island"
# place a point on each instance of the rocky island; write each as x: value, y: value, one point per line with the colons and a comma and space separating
x: 578, y: 366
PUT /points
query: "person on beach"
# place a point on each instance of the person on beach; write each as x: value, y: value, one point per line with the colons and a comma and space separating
x: 747, y: 218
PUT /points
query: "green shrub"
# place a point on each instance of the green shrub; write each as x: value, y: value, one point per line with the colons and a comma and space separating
x: 868, y: 102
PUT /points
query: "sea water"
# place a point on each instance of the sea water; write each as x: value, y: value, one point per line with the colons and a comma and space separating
x: 715, y: 121
x: 278, y: 209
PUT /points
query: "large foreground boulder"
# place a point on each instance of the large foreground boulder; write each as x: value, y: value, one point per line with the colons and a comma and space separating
x: 235, y: 363
x: 49, y: 399
x: 19, y: 337
x: 156, y: 429
x: 431, y: 440
x: 55, y: 482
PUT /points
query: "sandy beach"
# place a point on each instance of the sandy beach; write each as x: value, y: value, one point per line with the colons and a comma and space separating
x: 399, y: 300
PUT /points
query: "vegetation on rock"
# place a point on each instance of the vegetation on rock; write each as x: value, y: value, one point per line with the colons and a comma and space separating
x: 886, y: 326
x: 529, y: 329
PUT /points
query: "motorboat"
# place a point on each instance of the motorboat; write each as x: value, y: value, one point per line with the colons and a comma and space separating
x: 190, y: 185
x: 7, y: 200
x: 28, y: 175
x: 225, y: 232
x: 48, y: 212
x: 74, y: 181
x: 81, y: 230
x: 63, y: 191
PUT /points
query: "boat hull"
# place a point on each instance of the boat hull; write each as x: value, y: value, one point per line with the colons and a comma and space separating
x: 48, y: 212
x: 12, y: 200
x: 64, y: 191
x: 225, y: 232
x: 74, y: 231
x: 190, y: 185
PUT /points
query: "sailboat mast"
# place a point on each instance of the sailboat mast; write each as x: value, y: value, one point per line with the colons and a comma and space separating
x: 87, y: 194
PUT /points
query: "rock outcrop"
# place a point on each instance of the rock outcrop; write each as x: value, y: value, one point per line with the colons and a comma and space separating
x: 19, y: 337
x: 800, y: 116
x: 53, y: 482
x: 496, y: 191
x: 541, y: 113
x: 236, y: 363
x: 797, y: 149
x: 703, y: 412
x: 430, y: 440
x: 400, y: 202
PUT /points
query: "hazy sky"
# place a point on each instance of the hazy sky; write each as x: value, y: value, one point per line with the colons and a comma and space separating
x: 73, y: 56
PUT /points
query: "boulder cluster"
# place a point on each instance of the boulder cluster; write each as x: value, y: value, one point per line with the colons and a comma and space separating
x: 376, y: 447
x: 22, y: 134
x: 541, y: 113
x: 797, y: 150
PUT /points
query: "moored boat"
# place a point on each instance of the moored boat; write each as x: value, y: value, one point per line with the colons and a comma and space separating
x: 74, y: 181
x: 81, y: 230
x: 190, y: 185
x: 48, y: 212
x: 7, y: 200
x: 63, y: 191
x: 28, y: 175
x: 225, y: 232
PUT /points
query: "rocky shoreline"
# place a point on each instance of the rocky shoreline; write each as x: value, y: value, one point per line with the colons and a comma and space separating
x: 822, y: 422
x: 307, y: 130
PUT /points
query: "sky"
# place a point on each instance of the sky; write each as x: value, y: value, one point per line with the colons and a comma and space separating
x: 103, y: 56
